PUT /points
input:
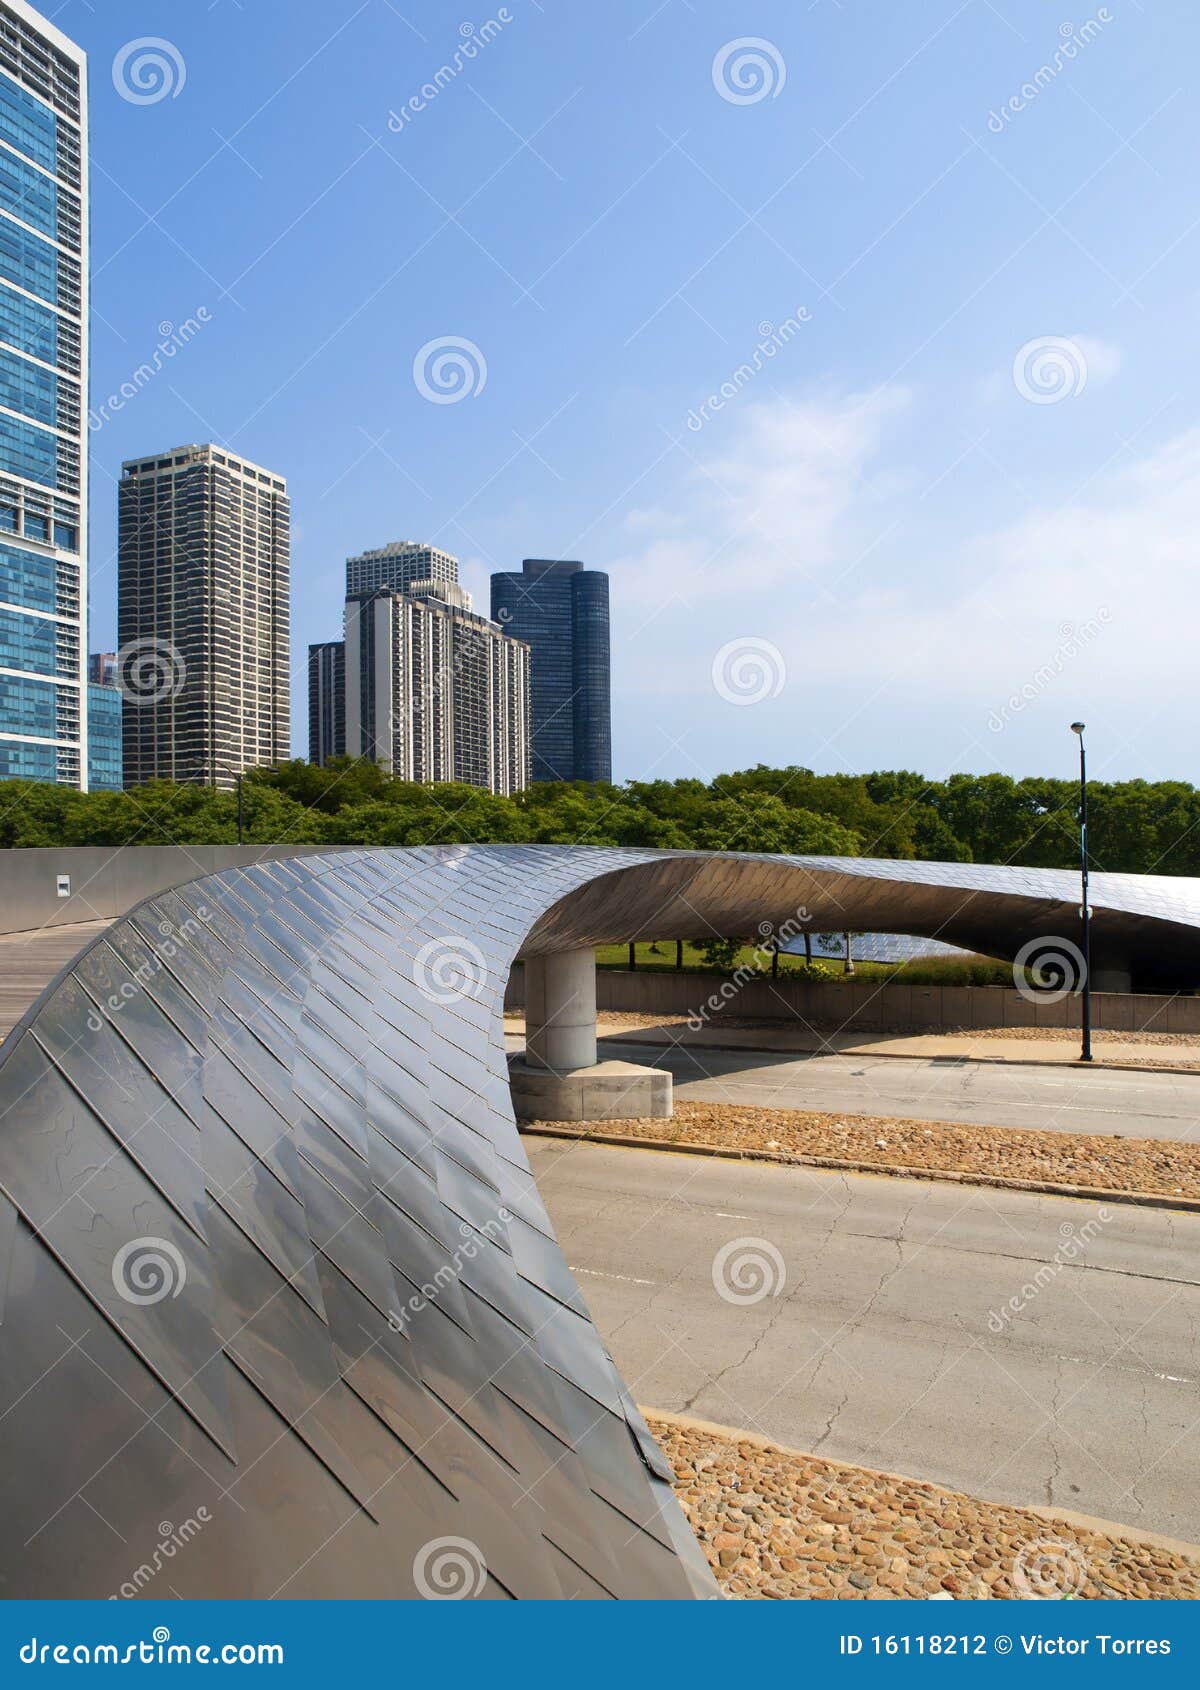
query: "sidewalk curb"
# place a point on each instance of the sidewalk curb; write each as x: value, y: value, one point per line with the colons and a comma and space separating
x: 1094, y: 1066
x: 1054, y: 1516
x: 726, y: 1153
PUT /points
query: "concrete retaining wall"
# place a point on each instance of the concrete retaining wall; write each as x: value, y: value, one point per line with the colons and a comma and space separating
x: 106, y: 881
x: 865, y: 1007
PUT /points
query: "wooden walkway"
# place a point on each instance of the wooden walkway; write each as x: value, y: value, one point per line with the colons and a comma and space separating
x: 29, y: 961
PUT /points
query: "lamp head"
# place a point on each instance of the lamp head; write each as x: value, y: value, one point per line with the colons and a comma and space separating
x: 1077, y: 728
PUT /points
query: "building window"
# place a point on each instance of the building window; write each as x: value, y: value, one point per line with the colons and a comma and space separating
x: 27, y: 125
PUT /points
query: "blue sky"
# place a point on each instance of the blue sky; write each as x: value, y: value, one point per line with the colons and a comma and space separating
x: 956, y: 508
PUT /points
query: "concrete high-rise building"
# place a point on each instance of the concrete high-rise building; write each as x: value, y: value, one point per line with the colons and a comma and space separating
x: 203, y: 616
x: 326, y: 701
x: 435, y: 692
x: 102, y: 668
x: 43, y: 399
x: 397, y: 566
x: 560, y: 610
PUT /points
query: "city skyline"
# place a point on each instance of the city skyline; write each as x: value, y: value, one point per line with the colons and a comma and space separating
x: 863, y: 392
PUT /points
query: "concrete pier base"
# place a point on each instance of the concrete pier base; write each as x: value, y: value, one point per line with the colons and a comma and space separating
x: 605, y: 1091
x: 559, y: 1078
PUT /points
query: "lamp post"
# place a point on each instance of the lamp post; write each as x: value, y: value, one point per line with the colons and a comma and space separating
x: 1085, y: 1054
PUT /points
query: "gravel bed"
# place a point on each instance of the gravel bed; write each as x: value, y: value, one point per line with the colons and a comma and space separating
x: 774, y: 1524
x: 1100, y: 1035
x: 1107, y: 1162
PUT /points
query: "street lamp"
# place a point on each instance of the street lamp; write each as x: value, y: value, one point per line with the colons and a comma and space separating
x: 236, y: 776
x: 1085, y: 1054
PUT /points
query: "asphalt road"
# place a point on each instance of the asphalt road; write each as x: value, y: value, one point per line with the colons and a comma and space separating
x: 881, y: 1345
x: 1134, y: 1105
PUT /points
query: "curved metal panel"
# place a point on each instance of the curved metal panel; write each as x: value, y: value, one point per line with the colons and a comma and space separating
x: 281, y: 1313
x: 256, y: 1155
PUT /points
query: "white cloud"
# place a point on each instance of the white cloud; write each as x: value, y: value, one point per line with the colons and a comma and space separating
x: 1103, y: 358
x: 777, y: 539
x: 774, y: 495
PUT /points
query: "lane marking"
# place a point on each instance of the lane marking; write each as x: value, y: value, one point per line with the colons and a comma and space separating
x: 1139, y: 1372
x: 625, y: 1278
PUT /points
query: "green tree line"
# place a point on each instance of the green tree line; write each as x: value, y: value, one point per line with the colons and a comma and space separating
x: 1137, y: 826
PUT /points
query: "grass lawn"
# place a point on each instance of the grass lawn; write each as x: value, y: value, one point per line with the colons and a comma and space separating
x: 934, y: 971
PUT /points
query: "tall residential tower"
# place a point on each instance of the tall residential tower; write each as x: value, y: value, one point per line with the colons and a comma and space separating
x: 432, y: 692
x: 203, y: 616
x: 43, y: 400
x: 561, y: 611
x: 396, y: 566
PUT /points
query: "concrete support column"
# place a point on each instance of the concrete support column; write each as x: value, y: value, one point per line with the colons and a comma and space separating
x: 559, y: 1078
x: 560, y: 1010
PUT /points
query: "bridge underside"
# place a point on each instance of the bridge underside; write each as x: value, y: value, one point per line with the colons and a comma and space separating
x: 1144, y: 928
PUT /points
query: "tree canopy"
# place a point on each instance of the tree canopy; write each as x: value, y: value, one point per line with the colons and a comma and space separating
x: 1136, y: 826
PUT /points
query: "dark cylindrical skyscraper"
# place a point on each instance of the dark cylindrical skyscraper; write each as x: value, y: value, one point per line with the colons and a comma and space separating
x: 561, y: 610
x: 592, y: 724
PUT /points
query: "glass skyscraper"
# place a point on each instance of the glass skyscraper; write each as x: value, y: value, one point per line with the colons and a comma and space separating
x: 561, y: 611
x: 326, y: 701
x: 43, y: 401
x: 104, y: 738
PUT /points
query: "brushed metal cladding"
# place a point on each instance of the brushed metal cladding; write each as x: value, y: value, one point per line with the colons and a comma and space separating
x: 274, y: 1276
x: 1148, y: 924
x: 347, y: 1346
